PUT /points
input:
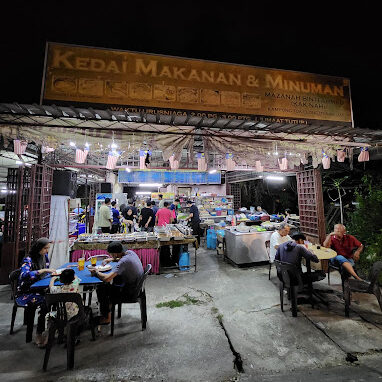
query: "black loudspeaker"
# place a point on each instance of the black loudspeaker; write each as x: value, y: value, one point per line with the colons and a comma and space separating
x: 106, y: 188
x: 64, y: 183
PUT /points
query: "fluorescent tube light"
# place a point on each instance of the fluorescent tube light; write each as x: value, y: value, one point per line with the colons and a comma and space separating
x: 150, y: 185
x: 143, y: 193
x: 277, y: 178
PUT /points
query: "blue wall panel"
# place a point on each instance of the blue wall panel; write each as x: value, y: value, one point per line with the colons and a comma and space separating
x: 166, y: 177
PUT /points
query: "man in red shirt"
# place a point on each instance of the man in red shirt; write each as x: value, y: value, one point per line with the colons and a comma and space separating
x: 164, y: 216
x: 344, y: 245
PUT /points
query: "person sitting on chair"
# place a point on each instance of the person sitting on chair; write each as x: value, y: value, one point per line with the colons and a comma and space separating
x: 344, y: 245
x: 126, y: 274
x: 293, y: 251
x: 70, y: 284
x: 278, y: 237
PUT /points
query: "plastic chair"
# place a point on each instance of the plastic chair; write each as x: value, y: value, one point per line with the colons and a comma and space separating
x: 360, y: 286
x: 268, y: 248
x: 60, y: 321
x: 290, y: 279
x: 139, y: 295
x: 29, y: 311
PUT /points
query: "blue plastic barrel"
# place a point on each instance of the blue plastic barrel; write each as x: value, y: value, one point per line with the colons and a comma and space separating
x: 184, y: 261
x: 211, y: 239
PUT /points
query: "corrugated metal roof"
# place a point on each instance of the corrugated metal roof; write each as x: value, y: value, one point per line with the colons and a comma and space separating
x: 61, y: 116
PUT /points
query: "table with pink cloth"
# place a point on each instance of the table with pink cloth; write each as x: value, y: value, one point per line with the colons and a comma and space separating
x: 146, y: 255
x: 147, y: 251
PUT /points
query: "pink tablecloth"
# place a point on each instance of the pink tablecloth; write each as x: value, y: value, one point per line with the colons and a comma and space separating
x: 147, y: 256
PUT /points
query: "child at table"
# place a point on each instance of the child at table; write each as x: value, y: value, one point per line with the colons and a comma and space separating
x: 70, y: 285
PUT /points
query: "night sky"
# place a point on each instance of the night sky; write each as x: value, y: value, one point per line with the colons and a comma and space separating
x: 339, y: 42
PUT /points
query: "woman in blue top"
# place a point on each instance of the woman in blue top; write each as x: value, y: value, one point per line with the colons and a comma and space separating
x: 35, y: 265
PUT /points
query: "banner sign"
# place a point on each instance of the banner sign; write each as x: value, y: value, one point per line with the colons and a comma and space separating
x: 165, y: 195
x: 169, y: 177
x: 138, y: 82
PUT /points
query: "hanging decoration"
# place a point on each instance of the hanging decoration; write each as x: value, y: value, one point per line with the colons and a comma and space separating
x: 283, y: 163
x: 325, y: 161
x: 202, y: 165
x: 364, y: 155
x: 112, y: 160
x: 230, y: 163
x: 144, y: 159
x: 259, y: 167
x: 174, y: 164
x: 81, y: 155
x: 46, y: 149
x: 19, y: 146
x: 341, y: 155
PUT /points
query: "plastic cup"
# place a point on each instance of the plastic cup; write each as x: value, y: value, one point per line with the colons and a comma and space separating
x: 81, y: 264
x: 93, y: 261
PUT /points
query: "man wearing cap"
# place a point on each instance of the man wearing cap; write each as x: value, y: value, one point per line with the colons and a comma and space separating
x: 126, y: 274
x: 292, y: 252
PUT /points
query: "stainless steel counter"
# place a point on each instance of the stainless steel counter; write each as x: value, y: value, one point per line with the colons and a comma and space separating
x: 246, y: 248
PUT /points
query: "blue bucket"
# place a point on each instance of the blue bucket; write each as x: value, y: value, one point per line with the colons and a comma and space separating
x: 184, y: 261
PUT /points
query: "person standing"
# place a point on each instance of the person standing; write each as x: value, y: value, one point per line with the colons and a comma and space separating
x: 195, y: 219
x: 174, y: 206
x: 104, y: 218
x: 115, y: 225
x: 154, y: 207
x: 161, y: 201
x: 164, y: 216
x: 147, y: 218
x: 348, y: 249
x: 132, y: 207
x: 129, y: 220
x: 277, y: 238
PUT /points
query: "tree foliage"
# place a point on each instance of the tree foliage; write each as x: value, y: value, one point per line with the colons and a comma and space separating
x: 365, y: 223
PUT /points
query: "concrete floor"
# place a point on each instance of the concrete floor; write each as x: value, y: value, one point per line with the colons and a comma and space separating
x: 191, y: 343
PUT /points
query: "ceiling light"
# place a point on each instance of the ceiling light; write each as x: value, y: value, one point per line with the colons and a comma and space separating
x: 127, y: 169
x: 19, y: 162
x: 143, y: 193
x: 28, y: 164
x: 150, y: 185
x: 87, y: 144
x: 4, y: 191
x: 212, y: 171
x: 275, y: 153
x: 73, y: 144
x: 277, y: 178
x: 113, y: 146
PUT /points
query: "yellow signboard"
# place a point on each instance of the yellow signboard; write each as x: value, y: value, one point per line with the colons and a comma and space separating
x: 138, y: 82
x: 166, y: 195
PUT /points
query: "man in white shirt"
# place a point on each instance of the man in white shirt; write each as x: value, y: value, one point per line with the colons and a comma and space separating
x: 278, y: 237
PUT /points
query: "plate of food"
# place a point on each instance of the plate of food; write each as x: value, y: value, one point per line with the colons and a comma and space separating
x: 100, y: 268
x: 58, y: 272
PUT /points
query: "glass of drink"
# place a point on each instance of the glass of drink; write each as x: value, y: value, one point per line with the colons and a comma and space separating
x: 81, y: 264
x: 93, y: 261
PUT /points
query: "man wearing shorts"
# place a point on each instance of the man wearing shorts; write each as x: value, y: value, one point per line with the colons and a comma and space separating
x: 348, y: 248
